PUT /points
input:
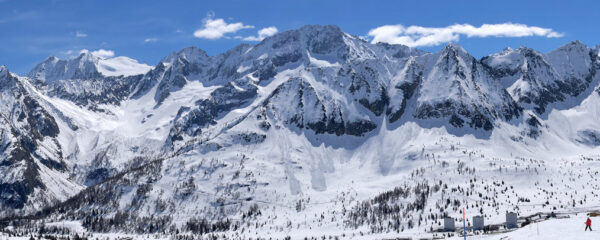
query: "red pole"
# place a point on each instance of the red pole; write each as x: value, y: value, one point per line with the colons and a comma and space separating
x: 464, y: 224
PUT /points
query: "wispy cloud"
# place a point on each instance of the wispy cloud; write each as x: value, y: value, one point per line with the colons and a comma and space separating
x: 417, y: 36
x: 102, y: 53
x: 262, y: 34
x: 147, y: 40
x: 217, y: 28
x: 80, y: 34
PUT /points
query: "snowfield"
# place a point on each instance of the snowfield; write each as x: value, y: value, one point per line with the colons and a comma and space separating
x: 566, y: 228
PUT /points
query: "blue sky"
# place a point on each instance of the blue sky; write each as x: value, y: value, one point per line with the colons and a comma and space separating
x: 147, y: 31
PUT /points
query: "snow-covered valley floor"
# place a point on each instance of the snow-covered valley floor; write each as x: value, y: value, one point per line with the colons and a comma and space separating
x: 570, y: 227
x: 565, y: 228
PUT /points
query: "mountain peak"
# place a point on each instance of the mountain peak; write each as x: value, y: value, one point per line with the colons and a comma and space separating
x: 321, y: 28
x: 525, y: 51
x: 52, y: 59
x: 190, y: 53
x: 507, y: 50
x: 322, y: 32
x: 52, y: 69
x: 573, y: 46
x: 454, y: 47
x: 4, y: 77
x: 87, y: 57
x: 3, y: 71
x: 192, y: 50
x: 576, y: 42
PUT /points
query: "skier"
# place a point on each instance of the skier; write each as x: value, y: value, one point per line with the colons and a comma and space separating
x: 588, y: 224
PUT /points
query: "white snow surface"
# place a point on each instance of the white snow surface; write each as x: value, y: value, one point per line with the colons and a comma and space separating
x: 564, y: 228
x: 122, y: 66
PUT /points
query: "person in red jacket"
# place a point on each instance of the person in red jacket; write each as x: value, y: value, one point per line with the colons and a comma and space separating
x: 588, y: 224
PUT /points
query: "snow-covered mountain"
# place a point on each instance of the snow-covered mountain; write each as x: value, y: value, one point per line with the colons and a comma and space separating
x: 308, y: 121
x: 537, y: 80
x: 88, y: 79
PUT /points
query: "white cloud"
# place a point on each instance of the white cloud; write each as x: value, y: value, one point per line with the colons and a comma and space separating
x: 262, y: 34
x: 217, y: 28
x: 150, y: 40
x: 101, y: 53
x: 417, y: 36
x: 80, y: 35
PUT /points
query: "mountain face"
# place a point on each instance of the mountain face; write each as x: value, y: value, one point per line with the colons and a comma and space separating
x: 456, y: 86
x: 88, y: 79
x: 293, y: 118
x: 536, y: 80
x: 31, y: 153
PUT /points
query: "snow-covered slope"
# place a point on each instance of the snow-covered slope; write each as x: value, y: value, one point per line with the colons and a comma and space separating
x: 312, y: 128
x: 34, y: 173
x: 121, y: 66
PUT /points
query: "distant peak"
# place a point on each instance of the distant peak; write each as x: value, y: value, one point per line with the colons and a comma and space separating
x: 576, y: 42
x: 573, y: 45
x: 188, y: 53
x: 192, y: 50
x: 3, y: 71
x: 52, y: 59
x: 454, y: 47
x: 86, y: 55
x: 524, y: 49
x: 507, y: 49
x: 320, y: 28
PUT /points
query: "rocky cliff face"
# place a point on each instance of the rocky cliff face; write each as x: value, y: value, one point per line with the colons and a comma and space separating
x: 29, y: 148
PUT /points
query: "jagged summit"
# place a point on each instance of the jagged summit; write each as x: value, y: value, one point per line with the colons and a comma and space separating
x: 574, y: 44
x: 191, y: 53
x: 54, y: 69
x: 451, y: 46
x: 87, y: 56
x: 4, y: 72
x: 51, y: 59
x: 321, y: 28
